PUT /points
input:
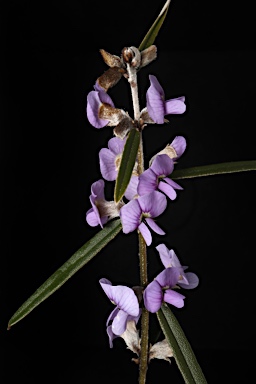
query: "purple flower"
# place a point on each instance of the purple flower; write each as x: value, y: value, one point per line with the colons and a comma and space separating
x: 155, y: 177
x: 157, y: 107
x: 102, y: 210
x: 144, y: 207
x: 127, y: 308
x: 95, y: 101
x: 188, y: 280
x: 160, y: 290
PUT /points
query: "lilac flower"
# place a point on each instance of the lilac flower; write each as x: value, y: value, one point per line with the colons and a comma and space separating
x: 127, y: 308
x: 144, y: 207
x: 95, y: 101
x: 102, y: 210
x: 155, y: 177
x: 157, y: 107
x: 160, y: 290
x: 187, y: 280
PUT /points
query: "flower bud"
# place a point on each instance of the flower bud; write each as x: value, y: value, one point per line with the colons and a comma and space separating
x: 132, y: 56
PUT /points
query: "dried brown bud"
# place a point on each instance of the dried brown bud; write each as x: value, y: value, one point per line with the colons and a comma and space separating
x: 132, y: 56
x: 149, y: 54
x: 110, y: 77
x: 122, y: 129
x: 111, y: 60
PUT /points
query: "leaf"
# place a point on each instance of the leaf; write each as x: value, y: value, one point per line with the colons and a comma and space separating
x: 127, y: 163
x: 153, y: 31
x: 182, y: 351
x: 214, y: 169
x: 68, y: 269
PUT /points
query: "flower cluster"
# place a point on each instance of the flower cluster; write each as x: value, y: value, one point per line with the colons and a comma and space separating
x: 145, y: 198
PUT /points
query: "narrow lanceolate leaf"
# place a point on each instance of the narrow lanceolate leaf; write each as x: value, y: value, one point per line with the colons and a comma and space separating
x: 214, y: 169
x: 153, y: 31
x: 68, y: 269
x: 127, y: 164
x: 182, y: 351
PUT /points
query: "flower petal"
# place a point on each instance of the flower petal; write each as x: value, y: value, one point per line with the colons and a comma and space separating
x: 130, y: 216
x: 111, y: 336
x: 155, y: 101
x: 147, y: 182
x: 107, y: 164
x: 179, y: 144
x: 162, y: 165
x: 167, y: 189
x: 116, y: 145
x: 153, y: 297
x: 145, y: 233
x: 192, y: 280
x: 174, y: 298
x: 154, y: 226
x: 92, y: 109
x: 175, y: 106
x: 119, y: 323
x: 169, y: 277
x: 164, y: 255
x: 131, y: 191
x: 172, y: 183
x: 153, y: 203
x: 124, y: 297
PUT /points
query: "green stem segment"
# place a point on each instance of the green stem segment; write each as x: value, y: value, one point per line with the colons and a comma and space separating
x: 143, y: 282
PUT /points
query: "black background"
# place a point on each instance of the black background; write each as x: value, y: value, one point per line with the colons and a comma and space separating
x: 49, y: 159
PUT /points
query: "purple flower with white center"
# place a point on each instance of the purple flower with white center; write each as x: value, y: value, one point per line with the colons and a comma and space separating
x: 127, y: 308
x: 187, y: 280
x: 146, y: 208
x: 96, y: 100
x: 160, y: 290
x: 102, y: 210
x: 157, y: 106
x: 155, y: 177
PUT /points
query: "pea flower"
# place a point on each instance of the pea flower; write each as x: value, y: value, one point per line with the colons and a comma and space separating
x: 101, y: 111
x: 160, y: 290
x: 187, y: 280
x: 155, y: 177
x: 102, y: 210
x: 126, y: 310
x: 143, y: 208
x: 157, y: 107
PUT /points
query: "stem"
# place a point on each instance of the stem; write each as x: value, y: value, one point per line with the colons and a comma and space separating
x: 143, y: 367
x: 145, y: 315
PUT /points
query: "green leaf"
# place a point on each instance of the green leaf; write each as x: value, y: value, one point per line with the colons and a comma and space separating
x: 68, y: 269
x: 182, y: 351
x: 153, y: 31
x: 214, y: 169
x: 127, y: 163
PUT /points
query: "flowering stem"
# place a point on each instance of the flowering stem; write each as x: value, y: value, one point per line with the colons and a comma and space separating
x: 142, y: 245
